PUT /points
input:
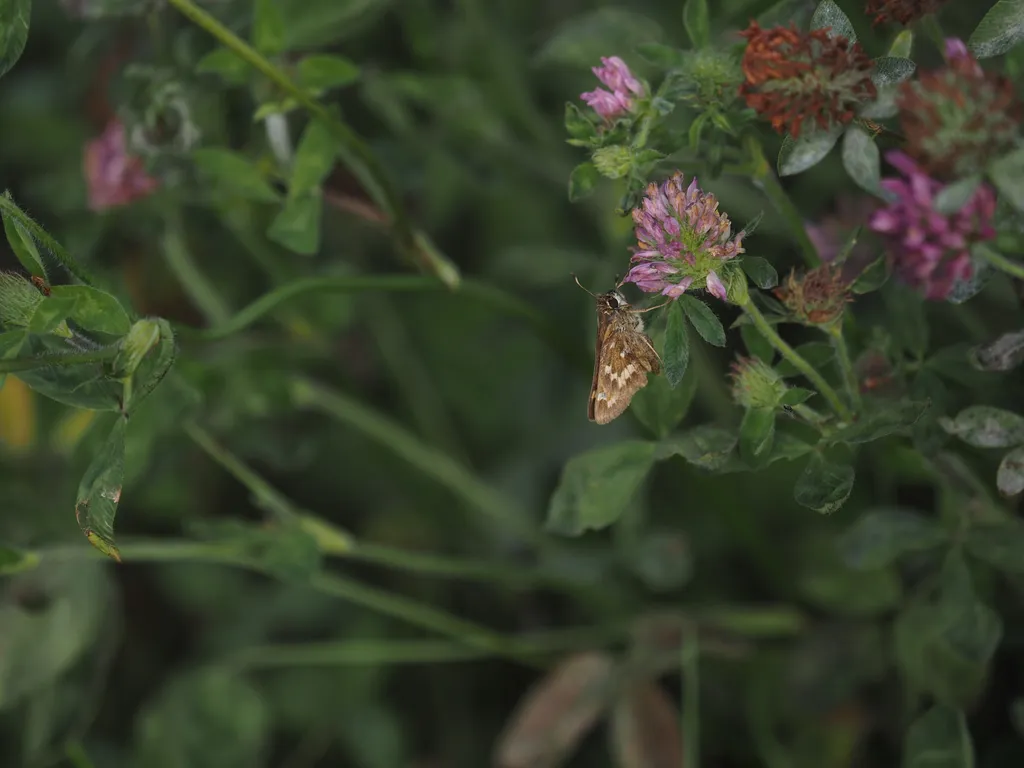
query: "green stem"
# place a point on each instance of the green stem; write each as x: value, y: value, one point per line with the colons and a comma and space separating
x: 195, y: 284
x: 10, y: 209
x: 1000, y: 262
x: 376, y: 651
x: 57, y: 360
x: 428, y: 460
x: 835, y: 332
x: 495, y: 298
x: 690, y: 670
x: 356, y: 153
x: 765, y: 178
x: 337, y: 542
x: 796, y: 360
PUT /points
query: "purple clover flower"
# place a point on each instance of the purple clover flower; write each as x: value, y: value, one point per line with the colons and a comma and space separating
x: 683, y: 239
x: 931, y: 250
x: 624, y: 86
x: 114, y: 177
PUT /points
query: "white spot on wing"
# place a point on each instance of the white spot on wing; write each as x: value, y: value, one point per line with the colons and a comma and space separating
x: 608, y: 369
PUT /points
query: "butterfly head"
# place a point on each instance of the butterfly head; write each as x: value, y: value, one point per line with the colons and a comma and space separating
x: 612, y: 301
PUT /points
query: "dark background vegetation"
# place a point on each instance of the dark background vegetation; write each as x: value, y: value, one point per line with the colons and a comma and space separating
x: 110, y: 665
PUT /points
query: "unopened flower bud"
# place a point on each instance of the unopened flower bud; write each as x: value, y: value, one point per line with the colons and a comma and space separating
x: 613, y: 162
x: 755, y: 384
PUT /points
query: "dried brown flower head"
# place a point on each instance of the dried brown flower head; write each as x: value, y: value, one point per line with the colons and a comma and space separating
x: 901, y: 11
x: 817, y: 297
x: 792, y: 76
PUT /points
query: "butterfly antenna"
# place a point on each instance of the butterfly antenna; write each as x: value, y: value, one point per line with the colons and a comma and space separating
x: 581, y: 285
x: 656, y: 306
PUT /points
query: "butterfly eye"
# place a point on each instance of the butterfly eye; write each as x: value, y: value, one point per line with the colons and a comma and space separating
x: 613, y: 302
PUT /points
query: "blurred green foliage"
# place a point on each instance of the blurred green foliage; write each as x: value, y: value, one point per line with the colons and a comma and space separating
x: 332, y: 376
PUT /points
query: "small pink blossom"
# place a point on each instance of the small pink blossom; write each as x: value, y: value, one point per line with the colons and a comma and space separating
x: 624, y: 86
x: 931, y: 250
x: 114, y: 178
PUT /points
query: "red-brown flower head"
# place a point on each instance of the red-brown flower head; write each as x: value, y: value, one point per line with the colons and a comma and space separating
x: 818, y: 297
x: 958, y: 118
x: 792, y: 76
x: 901, y: 11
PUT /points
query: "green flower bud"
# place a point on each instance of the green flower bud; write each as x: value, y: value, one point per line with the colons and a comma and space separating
x: 756, y: 384
x: 613, y: 162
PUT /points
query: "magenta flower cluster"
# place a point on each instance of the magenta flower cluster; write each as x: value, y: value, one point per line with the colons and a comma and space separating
x: 113, y: 176
x: 930, y: 250
x: 683, y: 239
x: 624, y: 87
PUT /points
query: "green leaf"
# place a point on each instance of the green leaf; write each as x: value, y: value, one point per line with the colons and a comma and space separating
x: 207, y: 718
x: 268, y: 27
x: 703, y: 319
x: 661, y: 560
x: 93, y: 309
x: 582, y: 180
x: 577, y: 125
x: 891, y: 70
x: 225, y: 64
x: 314, y: 158
x: 233, y: 174
x: 663, y: 56
x: 939, y: 739
x: 23, y: 245
x: 297, y: 225
x: 1010, y: 478
x: 887, y: 418
x: 823, y: 485
x: 14, y: 19
x: 81, y: 386
x: 706, y: 446
x: 152, y: 367
x: 757, y: 432
x: 818, y: 353
x: 697, y: 22
x: 757, y: 345
x: 1000, y: 545
x: 799, y: 155
x: 873, y: 277
x: 760, y: 271
x: 50, y: 315
x: 862, y: 160
x: 944, y: 645
x: 45, y: 638
x: 902, y: 45
x: 583, y: 39
x: 880, y: 537
x: 676, y: 351
x: 955, y: 196
x: 660, y: 407
x: 100, y: 491
x: 796, y: 396
x: 16, y: 561
x: 827, y: 583
x: 986, y: 427
x: 829, y: 15
x: 907, y: 321
x: 999, y: 30
x: 320, y: 72
x: 1003, y: 354
x: 596, y: 487
x: 1007, y: 173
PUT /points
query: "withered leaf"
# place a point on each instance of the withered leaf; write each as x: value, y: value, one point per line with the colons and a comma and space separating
x: 645, y: 731
x: 556, y: 713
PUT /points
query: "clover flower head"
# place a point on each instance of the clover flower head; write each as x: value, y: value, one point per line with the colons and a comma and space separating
x: 958, y: 118
x: 818, y: 296
x: 113, y: 176
x: 624, y: 87
x: 791, y: 77
x: 930, y: 250
x: 682, y: 238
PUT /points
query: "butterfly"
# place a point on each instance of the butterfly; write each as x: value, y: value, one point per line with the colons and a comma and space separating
x: 623, y: 357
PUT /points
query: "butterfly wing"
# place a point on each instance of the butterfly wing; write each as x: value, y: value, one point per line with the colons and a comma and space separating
x: 624, y: 358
